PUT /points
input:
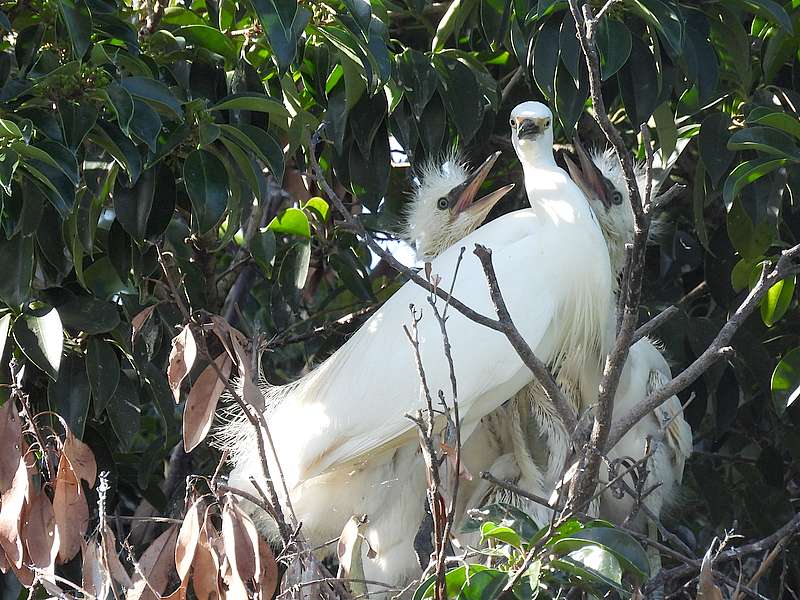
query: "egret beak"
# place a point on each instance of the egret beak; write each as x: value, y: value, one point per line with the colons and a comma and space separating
x: 530, y: 128
x: 463, y: 194
x: 588, y: 177
x: 485, y: 204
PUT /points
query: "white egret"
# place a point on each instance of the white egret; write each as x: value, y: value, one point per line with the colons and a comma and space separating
x: 342, y: 428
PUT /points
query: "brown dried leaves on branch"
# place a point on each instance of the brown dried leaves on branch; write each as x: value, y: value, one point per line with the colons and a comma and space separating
x: 69, y: 502
x: 181, y: 359
x: 10, y: 437
x: 155, y: 567
x: 198, y: 414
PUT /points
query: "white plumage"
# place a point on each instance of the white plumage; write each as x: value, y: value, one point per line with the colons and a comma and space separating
x: 341, y: 433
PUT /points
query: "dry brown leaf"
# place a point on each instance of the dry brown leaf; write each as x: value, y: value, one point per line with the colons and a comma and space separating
x: 188, y: 537
x: 268, y: 577
x: 39, y: 532
x: 81, y: 457
x: 24, y: 575
x: 206, y: 567
x: 706, y: 588
x: 180, y: 593
x: 138, y: 321
x: 118, y: 572
x: 156, y: 564
x: 181, y: 359
x: 11, y: 505
x: 10, y: 450
x: 198, y: 414
x: 241, y: 541
x: 70, y: 508
x: 95, y: 577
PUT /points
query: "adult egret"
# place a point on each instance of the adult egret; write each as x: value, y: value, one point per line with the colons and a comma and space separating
x: 343, y: 427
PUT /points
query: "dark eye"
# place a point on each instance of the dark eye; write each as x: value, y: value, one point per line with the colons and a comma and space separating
x: 513, y: 123
x: 616, y: 197
x: 547, y: 123
x: 442, y: 203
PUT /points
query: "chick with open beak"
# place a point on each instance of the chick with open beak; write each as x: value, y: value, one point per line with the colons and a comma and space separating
x: 593, y: 183
x: 445, y: 204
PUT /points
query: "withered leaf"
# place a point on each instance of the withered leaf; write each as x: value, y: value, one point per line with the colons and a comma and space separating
x: 206, y: 565
x: 188, y: 537
x: 706, y: 588
x: 198, y: 414
x: 39, y: 532
x: 95, y: 577
x: 268, y: 577
x: 11, y: 506
x: 71, y: 510
x: 115, y: 567
x: 241, y: 541
x: 349, y: 552
x: 81, y: 458
x: 10, y: 451
x: 156, y: 563
x: 138, y: 321
x: 181, y: 359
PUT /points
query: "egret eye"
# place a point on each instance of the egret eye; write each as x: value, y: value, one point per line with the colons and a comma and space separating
x: 513, y: 123
x: 442, y: 203
x: 616, y: 198
x: 547, y: 123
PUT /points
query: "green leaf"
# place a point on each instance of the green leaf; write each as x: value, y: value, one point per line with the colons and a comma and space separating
x: 41, y: 339
x: 451, y: 22
x: 624, y: 548
x: 297, y: 261
x: 124, y: 411
x: 293, y: 221
x: 102, y: 369
x: 319, y: 206
x: 177, y: 15
x: 455, y: 581
x: 488, y: 583
x: 599, y: 559
x: 103, y: 280
x: 748, y: 239
x: 283, y: 22
x: 667, y: 131
x: 88, y: 315
x: 260, y: 143
x: 353, y: 277
x: 209, y: 38
x: 206, y: 183
x: 699, y: 203
x: 132, y: 205
x: 418, y: 78
x: 112, y: 140
x: 262, y: 248
x: 76, y: 121
x: 252, y: 101
x: 5, y: 325
x: 638, y: 83
x: 545, y: 59
x: 495, y: 16
x: 779, y: 120
x: 461, y: 96
x: 746, y: 173
x: 614, y: 43
x: 369, y: 176
x: 9, y: 160
x: 161, y: 212
x: 503, y: 514
x: 55, y: 187
x: 502, y: 533
x: 79, y: 24
x: 9, y: 130
x: 785, y: 382
x: 145, y: 124
x: 245, y: 164
x: 365, y: 120
x: 154, y: 92
x: 361, y: 11
x: 713, y: 142
x: 771, y: 11
x: 666, y: 18
x: 777, y: 301
x: 16, y: 256
x: 69, y: 394
x: 765, y: 139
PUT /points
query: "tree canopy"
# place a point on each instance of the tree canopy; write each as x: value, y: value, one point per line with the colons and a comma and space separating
x: 155, y: 172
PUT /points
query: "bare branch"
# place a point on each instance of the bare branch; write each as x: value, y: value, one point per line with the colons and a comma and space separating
x: 654, y: 323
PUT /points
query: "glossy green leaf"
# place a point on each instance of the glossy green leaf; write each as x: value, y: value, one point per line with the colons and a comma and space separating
x: 614, y: 44
x: 455, y: 581
x: 76, y: 121
x: 365, y: 120
x: 418, y: 78
x: 206, y: 183
x: 779, y: 120
x: 88, y: 315
x: 765, y: 139
x: 771, y: 10
x: 292, y: 221
x: 262, y: 248
x: 598, y: 559
x: 713, y: 145
x: 503, y: 514
x: 461, y: 96
x: 9, y: 130
x: 113, y: 141
x: 749, y: 240
x: 785, y: 382
x: 777, y: 301
x: 124, y: 411
x: 102, y: 369
x: 702, y: 65
x: 103, y: 280
x: 16, y: 256
x: 624, y: 547
x: 177, y: 15
x: 501, y: 533
x: 666, y: 18
x: 209, y: 38
x: 260, y: 143
x: 153, y: 92
x: 545, y: 59
x: 69, y: 394
x: 667, y: 131
x: 5, y: 326
x: 699, y: 203
x: 132, y: 205
x: 41, y: 339
x: 318, y: 206
x: 145, y: 124
x: 254, y: 102
x: 451, y: 22
x: 495, y: 16
x: 283, y: 22
x: 79, y: 24
x: 638, y: 83
x: 9, y: 160
x: 747, y: 173
x: 369, y: 176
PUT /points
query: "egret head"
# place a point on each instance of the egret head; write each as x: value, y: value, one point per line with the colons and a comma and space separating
x: 601, y: 179
x: 443, y: 208
x: 532, y: 131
